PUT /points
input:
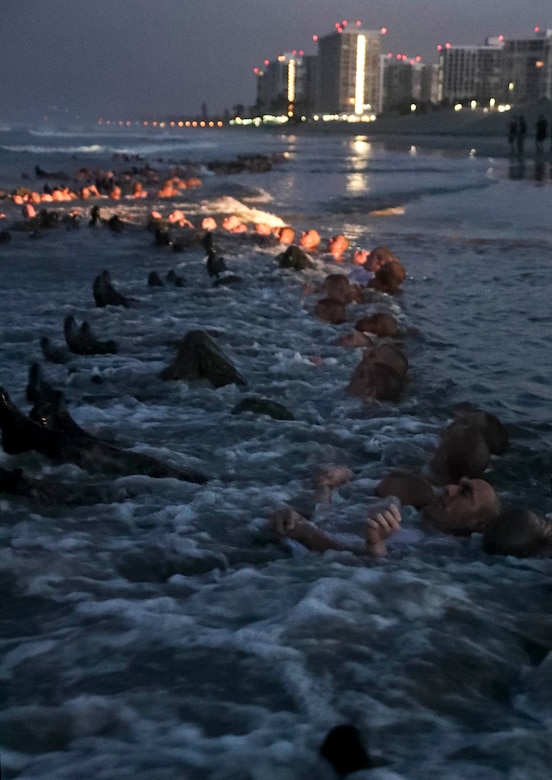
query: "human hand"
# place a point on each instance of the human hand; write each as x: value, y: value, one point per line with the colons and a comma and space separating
x: 380, y: 527
x: 284, y: 521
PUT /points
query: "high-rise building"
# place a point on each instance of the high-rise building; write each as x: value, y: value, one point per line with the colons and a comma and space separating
x: 509, y: 72
x: 528, y: 68
x: 281, y: 84
x: 472, y: 73
x: 404, y: 83
x: 349, y: 71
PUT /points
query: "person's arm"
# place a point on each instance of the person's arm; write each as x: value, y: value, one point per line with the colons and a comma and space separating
x: 289, y: 523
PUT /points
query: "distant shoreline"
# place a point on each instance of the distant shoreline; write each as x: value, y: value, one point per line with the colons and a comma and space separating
x: 476, y: 132
x: 455, y: 143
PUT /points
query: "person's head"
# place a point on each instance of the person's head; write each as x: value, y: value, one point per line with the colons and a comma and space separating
x: 517, y: 532
x: 209, y: 223
x: 338, y: 287
x: 233, y: 224
x: 263, y: 229
x: 462, y: 452
x: 309, y: 239
x: 337, y: 245
x: 343, y: 749
x: 285, y: 234
x: 388, y: 277
x: 411, y: 489
x: 462, y: 508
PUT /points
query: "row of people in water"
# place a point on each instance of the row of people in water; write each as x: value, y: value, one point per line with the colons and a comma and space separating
x: 519, y: 532
x: 455, y: 499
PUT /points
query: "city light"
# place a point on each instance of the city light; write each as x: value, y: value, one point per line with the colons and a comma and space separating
x: 360, y: 74
x: 370, y: 75
x: 291, y: 81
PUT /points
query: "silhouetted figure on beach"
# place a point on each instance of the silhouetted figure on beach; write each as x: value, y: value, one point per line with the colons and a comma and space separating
x: 512, y: 134
x: 541, y: 131
x: 521, y: 133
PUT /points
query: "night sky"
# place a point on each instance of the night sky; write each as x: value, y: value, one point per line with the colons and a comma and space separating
x: 132, y: 59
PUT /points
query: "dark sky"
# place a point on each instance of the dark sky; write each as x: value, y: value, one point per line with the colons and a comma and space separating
x: 128, y: 59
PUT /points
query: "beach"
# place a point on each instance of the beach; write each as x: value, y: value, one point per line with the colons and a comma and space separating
x: 152, y: 626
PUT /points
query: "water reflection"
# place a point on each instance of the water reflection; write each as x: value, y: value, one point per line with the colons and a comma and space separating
x: 357, y: 181
x: 538, y: 169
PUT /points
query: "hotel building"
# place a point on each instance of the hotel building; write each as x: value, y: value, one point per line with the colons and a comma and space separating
x: 527, y: 68
x: 349, y: 71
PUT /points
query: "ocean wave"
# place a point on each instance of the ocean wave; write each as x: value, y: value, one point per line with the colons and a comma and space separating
x: 33, y: 149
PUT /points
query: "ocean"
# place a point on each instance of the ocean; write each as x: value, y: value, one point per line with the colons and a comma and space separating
x: 152, y: 628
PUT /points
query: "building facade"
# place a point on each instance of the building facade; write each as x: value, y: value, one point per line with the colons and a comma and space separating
x: 349, y: 72
x: 281, y: 85
x: 512, y: 72
x: 528, y: 68
x: 472, y: 73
